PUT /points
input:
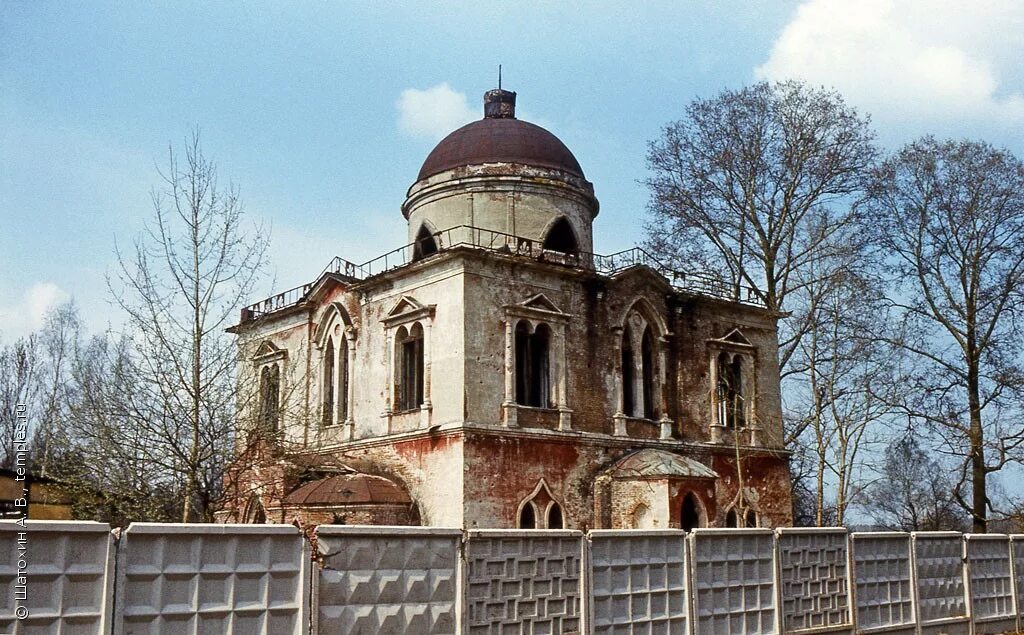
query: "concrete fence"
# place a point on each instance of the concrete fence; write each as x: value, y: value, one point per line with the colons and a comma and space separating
x: 66, y: 578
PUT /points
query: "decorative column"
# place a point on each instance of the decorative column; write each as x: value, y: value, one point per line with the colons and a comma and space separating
x: 389, y: 342
x: 350, y: 424
x: 619, y: 418
x: 564, y: 413
x: 663, y: 384
x: 716, y: 424
x: 426, y: 406
x: 749, y: 379
x: 508, y: 406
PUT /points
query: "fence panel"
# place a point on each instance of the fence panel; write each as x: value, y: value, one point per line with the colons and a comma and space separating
x: 637, y: 582
x: 525, y: 581
x: 813, y: 574
x: 991, y: 584
x: 387, y: 580
x: 1017, y: 547
x: 68, y: 570
x: 733, y: 581
x: 882, y: 582
x: 939, y: 575
x: 192, y: 579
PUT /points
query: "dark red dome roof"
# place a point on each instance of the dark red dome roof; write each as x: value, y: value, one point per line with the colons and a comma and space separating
x: 500, y: 140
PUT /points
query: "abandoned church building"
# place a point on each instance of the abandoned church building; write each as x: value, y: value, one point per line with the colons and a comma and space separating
x: 496, y: 372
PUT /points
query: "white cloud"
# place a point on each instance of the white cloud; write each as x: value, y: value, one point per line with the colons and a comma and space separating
x: 434, y: 112
x: 29, y: 313
x: 909, y: 61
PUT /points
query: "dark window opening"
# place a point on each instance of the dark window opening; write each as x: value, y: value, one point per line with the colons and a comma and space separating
x: 731, y: 410
x: 343, y: 383
x: 328, y: 412
x: 751, y: 518
x: 690, y: 514
x: 410, y: 368
x: 561, y: 238
x: 270, y: 389
x: 731, y: 520
x: 628, y: 379
x: 527, y: 517
x: 555, y: 517
x: 425, y: 244
x: 532, y: 366
x: 647, y: 369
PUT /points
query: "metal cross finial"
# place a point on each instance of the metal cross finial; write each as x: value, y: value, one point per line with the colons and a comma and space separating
x: 499, y: 76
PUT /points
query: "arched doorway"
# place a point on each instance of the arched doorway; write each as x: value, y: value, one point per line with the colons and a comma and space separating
x: 689, y: 514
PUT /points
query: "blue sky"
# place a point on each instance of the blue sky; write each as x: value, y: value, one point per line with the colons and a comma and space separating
x: 322, y: 113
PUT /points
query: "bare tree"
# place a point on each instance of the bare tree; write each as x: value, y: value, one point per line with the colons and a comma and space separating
x: 758, y: 186
x: 19, y: 381
x: 181, y: 287
x: 846, y: 371
x: 914, y: 492
x: 949, y: 219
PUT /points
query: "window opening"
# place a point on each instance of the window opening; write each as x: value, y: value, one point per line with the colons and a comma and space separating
x: 328, y: 412
x: 689, y: 518
x: 532, y: 365
x: 425, y: 244
x: 561, y: 238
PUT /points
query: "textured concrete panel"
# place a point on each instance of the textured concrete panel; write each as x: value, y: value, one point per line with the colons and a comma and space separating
x: 193, y: 579
x: 814, y: 585
x: 1017, y: 545
x: 882, y: 582
x: 637, y: 582
x: 399, y: 580
x: 941, y: 592
x: 991, y: 583
x: 69, y: 569
x: 525, y: 581
x: 733, y: 581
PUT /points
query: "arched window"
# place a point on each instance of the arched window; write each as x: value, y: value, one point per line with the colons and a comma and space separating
x: 731, y: 519
x: 409, y: 366
x: 533, y: 373
x: 689, y: 516
x: 647, y: 370
x: 555, y: 516
x: 641, y: 378
x: 425, y: 244
x: 527, y: 517
x: 561, y: 238
x: 731, y: 407
x: 751, y: 518
x: 628, y: 372
x: 270, y: 397
x: 329, y: 369
x: 540, y: 510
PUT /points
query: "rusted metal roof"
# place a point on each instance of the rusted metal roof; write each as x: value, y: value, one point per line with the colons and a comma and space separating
x: 651, y: 463
x: 500, y: 140
x: 348, y: 489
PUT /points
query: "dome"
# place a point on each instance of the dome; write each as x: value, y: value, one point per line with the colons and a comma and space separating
x: 500, y: 138
x: 348, y: 489
x: 659, y: 463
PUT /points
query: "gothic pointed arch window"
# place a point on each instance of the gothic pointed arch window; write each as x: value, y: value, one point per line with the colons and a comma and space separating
x: 425, y: 245
x: 540, y: 510
x: 335, y: 337
x: 561, y: 238
x: 641, y: 381
x: 270, y: 398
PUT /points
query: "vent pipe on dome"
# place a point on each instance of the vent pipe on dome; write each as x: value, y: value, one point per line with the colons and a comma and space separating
x: 499, y: 104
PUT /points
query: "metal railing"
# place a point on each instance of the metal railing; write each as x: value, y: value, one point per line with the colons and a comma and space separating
x: 468, y: 236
